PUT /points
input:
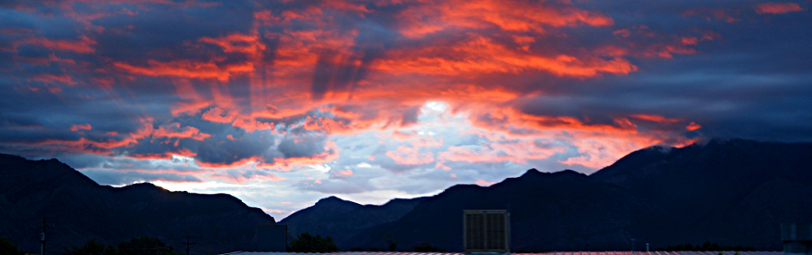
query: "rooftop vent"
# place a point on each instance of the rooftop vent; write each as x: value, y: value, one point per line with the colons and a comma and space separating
x: 486, y: 231
x: 797, y: 238
x: 272, y: 238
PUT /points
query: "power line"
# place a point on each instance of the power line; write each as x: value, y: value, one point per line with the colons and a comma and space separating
x: 187, y: 243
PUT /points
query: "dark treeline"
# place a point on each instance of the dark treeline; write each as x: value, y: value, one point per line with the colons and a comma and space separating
x: 707, y: 246
x: 309, y: 243
x: 9, y: 248
x: 137, y: 246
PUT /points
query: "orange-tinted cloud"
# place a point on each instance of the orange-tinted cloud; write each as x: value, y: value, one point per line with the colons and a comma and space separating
x: 482, y: 55
x: 167, y: 154
x: 216, y: 114
x: 83, y: 45
x: 77, y: 127
x: 171, y: 130
x: 237, y: 43
x: 517, y: 16
x: 269, y: 211
x: 599, y: 144
x: 724, y: 14
x: 51, y: 78
x: 344, y: 68
x: 340, y: 174
x: 188, y: 69
x: 482, y: 182
x: 655, y: 118
x: 778, y: 8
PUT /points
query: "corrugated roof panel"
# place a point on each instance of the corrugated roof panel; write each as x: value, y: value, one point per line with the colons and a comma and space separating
x: 549, y: 253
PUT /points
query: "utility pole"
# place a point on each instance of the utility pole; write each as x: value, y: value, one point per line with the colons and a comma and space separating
x: 42, y: 234
x: 187, y: 243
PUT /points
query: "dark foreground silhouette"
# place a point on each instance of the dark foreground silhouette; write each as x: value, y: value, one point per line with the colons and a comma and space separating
x: 733, y: 192
x: 137, y: 246
x: 727, y: 192
x: 80, y: 210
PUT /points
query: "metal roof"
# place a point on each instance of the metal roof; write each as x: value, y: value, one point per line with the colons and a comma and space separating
x: 546, y: 253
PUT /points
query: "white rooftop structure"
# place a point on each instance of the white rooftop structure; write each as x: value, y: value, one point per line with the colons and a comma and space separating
x: 546, y: 253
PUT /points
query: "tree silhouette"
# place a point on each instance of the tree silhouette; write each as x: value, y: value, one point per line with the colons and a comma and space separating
x: 426, y: 247
x: 137, y: 246
x: 309, y: 243
x: 9, y: 248
x: 93, y: 247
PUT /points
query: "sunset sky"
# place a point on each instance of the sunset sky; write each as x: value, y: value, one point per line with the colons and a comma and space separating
x: 281, y: 103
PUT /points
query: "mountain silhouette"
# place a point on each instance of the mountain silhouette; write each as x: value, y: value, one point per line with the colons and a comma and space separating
x: 83, y: 210
x: 335, y: 217
x: 731, y: 192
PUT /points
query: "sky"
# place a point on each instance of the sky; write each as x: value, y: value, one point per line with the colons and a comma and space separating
x: 281, y: 103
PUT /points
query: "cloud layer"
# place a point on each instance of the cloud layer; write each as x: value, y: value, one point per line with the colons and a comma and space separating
x: 284, y: 102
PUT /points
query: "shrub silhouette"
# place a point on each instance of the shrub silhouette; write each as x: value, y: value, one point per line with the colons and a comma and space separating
x: 9, y: 248
x: 309, y: 243
x: 137, y: 246
x: 426, y: 247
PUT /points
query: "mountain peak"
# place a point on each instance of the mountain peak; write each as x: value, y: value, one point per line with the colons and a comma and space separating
x: 533, y: 173
x: 530, y: 172
x: 142, y: 186
x: 568, y: 173
x: 330, y: 198
x: 333, y: 200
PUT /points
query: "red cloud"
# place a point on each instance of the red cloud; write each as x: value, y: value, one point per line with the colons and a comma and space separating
x: 164, y: 155
x: 51, y: 78
x: 215, y: 114
x: 330, y: 153
x: 82, y: 145
x: 174, y: 130
x: 77, y: 127
x: 237, y: 43
x: 240, y: 162
x: 599, y: 144
x: 507, y: 15
x: 83, y: 45
x: 457, y: 52
x: 188, y: 69
x: 777, y: 8
x: 327, y: 125
x: 724, y: 14
x: 482, y: 55
x: 655, y: 118
x: 170, y: 130
x: 269, y: 211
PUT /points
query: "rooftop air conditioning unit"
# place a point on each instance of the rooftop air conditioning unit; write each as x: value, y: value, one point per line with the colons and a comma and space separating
x: 486, y: 231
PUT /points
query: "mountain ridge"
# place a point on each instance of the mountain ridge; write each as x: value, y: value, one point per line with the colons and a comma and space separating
x: 84, y: 210
x: 697, y: 193
x: 732, y: 192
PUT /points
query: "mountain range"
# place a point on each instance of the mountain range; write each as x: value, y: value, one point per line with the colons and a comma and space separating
x: 81, y: 210
x: 731, y: 192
